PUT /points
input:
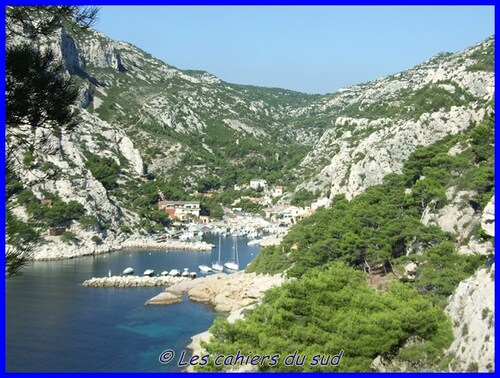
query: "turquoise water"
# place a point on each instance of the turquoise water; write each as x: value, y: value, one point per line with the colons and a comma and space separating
x: 53, y: 323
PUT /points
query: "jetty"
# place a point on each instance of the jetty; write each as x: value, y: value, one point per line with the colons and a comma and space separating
x: 133, y: 281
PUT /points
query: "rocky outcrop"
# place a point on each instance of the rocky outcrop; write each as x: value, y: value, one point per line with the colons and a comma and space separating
x: 234, y: 291
x: 225, y: 292
x: 127, y: 149
x: 357, y: 151
x: 379, y: 147
x: 165, y: 298
x: 101, y: 52
x: 488, y: 218
x: 471, y: 308
x: 457, y: 216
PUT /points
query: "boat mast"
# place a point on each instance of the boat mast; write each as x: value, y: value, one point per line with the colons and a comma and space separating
x: 236, y: 251
x: 219, y: 248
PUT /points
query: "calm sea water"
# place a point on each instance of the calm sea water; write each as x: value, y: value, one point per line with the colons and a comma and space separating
x: 56, y: 324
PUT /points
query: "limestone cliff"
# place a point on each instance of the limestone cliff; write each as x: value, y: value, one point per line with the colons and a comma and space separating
x: 374, y: 126
x: 472, y: 311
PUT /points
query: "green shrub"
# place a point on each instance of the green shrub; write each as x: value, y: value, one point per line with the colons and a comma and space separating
x: 105, y: 170
x: 96, y: 239
x: 89, y: 222
x: 28, y: 159
x: 69, y: 237
x: 26, y: 196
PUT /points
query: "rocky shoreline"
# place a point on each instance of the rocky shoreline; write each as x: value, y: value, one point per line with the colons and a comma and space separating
x: 55, y: 249
x: 233, y: 293
x: 225, y: 292
x: 174, y: 245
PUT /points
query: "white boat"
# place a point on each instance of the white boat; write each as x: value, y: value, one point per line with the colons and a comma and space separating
x: 174, y: 273
x: 164, y: 273
x: 185, y: 273
x: 254, y: 241
x: 149, y: 272
x: 233, y: 265
x: 192, y: 274
x: 205, y: 268
x: 128, y: 271
x: 217, y: 265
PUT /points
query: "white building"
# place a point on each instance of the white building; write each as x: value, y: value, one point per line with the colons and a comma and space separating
x: 277, y: 191
x: 256, y: 183
x: 180, y: 209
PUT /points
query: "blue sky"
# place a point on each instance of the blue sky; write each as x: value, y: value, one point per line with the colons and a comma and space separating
x: 312, y: 49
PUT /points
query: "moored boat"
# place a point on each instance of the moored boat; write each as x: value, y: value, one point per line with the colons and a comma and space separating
x: 217, y: 265
x: 149, y: 272
x: 205, y: 268
x: 233, y: 264
x: 174, y: 273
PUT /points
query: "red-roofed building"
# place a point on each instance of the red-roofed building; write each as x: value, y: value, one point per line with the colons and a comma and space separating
x: 180, y: 209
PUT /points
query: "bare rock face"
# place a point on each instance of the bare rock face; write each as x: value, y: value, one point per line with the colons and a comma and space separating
x: 231, y: 292
x: 61, y: 169
x: 225, y: 292
x: 356, y: 152
x: 471, y: 308
x: 165, y: 298
x: 101, y: 52
x: 132, y: 155
x: 488, y: 218
x: 457, y: 216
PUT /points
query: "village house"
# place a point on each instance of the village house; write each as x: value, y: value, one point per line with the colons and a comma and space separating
x: 287, y: 214
x: 258, y: 183
x: 180, y: 210
x: 205, y: 219
x: 277, y: 191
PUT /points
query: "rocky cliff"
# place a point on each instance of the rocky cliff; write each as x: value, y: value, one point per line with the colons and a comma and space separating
x: 472, y: 311
x: 375, y: 126
x: 140, y: 115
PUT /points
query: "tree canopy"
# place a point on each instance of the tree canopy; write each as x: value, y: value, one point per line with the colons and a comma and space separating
x: 332, y: 309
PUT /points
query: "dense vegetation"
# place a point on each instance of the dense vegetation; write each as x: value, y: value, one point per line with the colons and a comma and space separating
x: 332, y: 309
x: 105, y: 170
x: 383, y: 224
x: 410, y: 103
x: 58, y: 214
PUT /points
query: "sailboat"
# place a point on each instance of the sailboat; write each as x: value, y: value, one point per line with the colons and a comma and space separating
x: 233, y: 265
x: 217, y: 265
